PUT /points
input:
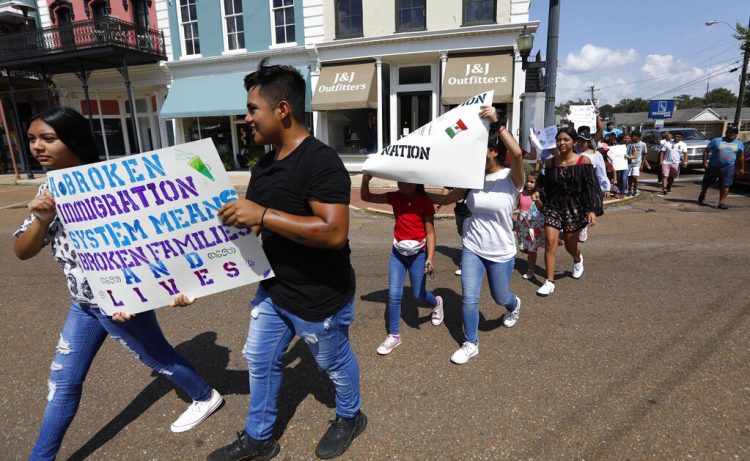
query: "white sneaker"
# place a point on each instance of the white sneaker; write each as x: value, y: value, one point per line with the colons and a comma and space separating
x: 197, y: 412
x: 529, y: 276
x: 547, y: 289
x: 511, y: 317
x: 391, y: 342
x: 458, y: 272
x: 464, y: 353
x: 437, y: 311
x: 583, y: 234
x: 578, y: 268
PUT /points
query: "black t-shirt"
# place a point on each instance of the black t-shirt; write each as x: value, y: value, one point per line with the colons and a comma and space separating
x: 311, y: 283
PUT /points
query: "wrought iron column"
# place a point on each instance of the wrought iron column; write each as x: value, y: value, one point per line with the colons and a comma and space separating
x: 19, y: 129
x: 83, y: 76
x: 124, y: 72
x: 47, y: 90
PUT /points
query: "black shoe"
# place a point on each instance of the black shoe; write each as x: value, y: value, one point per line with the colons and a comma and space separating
x: 245, y: 449
x: 702, y: 199
x: 339, y: 436
x: 721, y: 206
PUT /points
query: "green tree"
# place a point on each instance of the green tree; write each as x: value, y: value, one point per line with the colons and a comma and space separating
x: 720, y: 97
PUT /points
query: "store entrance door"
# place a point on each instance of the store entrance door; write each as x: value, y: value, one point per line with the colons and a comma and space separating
x: 414, y: 111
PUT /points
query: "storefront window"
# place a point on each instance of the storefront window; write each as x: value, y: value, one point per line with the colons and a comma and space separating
x: 113, y: 133
x: 353, y: 131
x: 217, y: 128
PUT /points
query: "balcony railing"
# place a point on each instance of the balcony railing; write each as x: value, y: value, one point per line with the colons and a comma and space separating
x: 81, y: 35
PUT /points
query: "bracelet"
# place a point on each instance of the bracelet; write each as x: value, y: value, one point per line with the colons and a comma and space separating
x: 500, y: 130
x: 262, y: 217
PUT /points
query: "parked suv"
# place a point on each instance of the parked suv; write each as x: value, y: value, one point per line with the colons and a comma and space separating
x: 694, y: 139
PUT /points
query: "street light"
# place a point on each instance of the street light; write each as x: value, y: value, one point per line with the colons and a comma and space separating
x: 743, y: 76
x: 525, y: 42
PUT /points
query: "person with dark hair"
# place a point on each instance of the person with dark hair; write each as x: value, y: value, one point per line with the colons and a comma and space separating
x: 672, y: 154
x: 569, y: 194
x: 530, y: 223
x: 60, y: 138
x: 720, y: 166
x: 489, y: 244
x: 413, y: 251
x: 636, y: 162
x: 584, y: 147
x: 298, y: 200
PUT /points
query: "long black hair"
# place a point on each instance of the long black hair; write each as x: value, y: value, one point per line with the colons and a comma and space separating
x: 495, y: 144
x: 72, y: 129
x: 569, y: 131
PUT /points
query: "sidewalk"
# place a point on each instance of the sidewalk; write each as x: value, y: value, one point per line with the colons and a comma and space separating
x: 239, y: 180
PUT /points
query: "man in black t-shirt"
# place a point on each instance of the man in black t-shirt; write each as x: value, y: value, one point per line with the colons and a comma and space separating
x: 298, y: 201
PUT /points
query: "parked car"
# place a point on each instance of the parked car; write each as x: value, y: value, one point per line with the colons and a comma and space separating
x: 694, y: 139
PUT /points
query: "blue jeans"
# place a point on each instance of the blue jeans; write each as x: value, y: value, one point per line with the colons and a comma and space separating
x: 270, y: 332
x: 399, y: 265
x: 498, y: 277
x: 83, y: 334
x: 622, y: 180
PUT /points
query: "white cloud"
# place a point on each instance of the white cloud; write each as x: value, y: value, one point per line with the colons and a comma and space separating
x: 592, y: 57
x: 660, y: 76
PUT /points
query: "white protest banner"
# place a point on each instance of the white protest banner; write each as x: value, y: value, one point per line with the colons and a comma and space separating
x: 448, y: 151
x: 145, y: 227
x: 617, y: 156
x: 545, y: 138
x: 583, y: 115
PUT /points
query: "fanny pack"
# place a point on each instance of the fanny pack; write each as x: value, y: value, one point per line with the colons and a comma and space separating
x: 409, y: 247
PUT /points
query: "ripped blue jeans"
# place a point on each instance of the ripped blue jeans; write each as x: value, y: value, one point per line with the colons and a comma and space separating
x: 271, y: 330
x: 83, y: 334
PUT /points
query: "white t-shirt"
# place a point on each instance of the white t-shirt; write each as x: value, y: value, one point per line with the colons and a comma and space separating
x: 488, y: 232
x: 673, y: 151
x: 600, y: 169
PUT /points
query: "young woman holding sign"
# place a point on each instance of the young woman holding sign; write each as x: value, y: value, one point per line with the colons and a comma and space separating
x: 60, y: 138
x: 489, y: 244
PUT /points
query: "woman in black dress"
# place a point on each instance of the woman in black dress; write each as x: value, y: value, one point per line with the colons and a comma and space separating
x: 570, y: 195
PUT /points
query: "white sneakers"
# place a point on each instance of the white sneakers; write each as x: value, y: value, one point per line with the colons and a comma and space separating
x: 458, y: 271
x: 437, y: 311
x: 511, y: 317
x: 547, y: 289
x: 578, y: 268
x: 197, y: 412
x: 391, y: 342
x: 464, y: 353
x: 583, y: 234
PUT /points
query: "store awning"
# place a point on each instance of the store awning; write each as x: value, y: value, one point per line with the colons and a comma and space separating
x: 214, y: 95
x: 467, y: 76
x: 345, y: 86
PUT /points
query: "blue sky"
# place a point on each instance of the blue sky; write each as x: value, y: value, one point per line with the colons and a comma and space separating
x: 640, y: 48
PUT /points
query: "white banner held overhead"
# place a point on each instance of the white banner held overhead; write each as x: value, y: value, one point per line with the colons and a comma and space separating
x: 145, y: 227
x: 449, y: 151
x: 583, y: 115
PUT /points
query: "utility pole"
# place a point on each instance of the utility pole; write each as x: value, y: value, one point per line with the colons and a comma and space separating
x: 553, y: 32
x: 746, y: 48
x: 591, y: 89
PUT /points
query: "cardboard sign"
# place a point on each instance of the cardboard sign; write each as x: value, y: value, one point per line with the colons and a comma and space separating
x: 583, y: 115
x: 145, y: 227
x: 617, y: 156
x: 448, y: 151
x: 545, y: 138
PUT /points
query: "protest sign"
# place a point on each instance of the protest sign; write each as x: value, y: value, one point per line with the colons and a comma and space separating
x: 448, y: 151
x: 617, y: 156
x: 544, y: 138
x: 583, y: 115
x: 145, y: 227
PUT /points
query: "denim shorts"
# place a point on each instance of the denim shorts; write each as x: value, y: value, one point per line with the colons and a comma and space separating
x: 725, y: 175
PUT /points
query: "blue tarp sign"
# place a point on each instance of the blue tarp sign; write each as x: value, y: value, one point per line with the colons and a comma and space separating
x: 661, y: 108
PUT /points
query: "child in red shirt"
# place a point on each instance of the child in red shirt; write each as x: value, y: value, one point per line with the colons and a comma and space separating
x: 413, y: 250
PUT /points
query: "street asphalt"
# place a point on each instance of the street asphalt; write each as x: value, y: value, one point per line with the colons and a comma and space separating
x: 645, y: 357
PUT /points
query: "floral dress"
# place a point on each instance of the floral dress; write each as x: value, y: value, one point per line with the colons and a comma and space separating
x: 529, y: 224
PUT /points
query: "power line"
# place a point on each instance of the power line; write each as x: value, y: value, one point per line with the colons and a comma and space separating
x: 592, y: 90
x: 698, y: 80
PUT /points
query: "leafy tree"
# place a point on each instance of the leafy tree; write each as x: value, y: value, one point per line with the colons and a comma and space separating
x: 720, y: 97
